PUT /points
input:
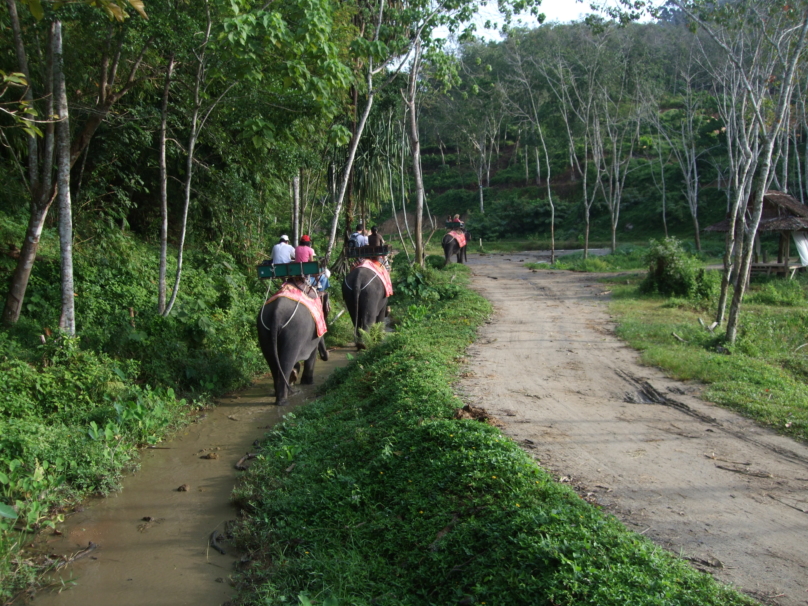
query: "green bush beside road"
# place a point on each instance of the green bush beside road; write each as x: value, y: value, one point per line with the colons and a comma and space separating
x: 376, y: 493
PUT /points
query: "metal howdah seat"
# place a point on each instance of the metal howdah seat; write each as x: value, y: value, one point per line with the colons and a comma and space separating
x: 268, y: 270
x: 455, y: 225
x: 367, y: 252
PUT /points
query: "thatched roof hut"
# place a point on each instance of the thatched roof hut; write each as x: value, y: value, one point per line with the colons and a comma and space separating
x: 784, y: 214
x: 781, y: 212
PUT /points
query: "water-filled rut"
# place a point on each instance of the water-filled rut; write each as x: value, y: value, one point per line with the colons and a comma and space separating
x: 153, y: 538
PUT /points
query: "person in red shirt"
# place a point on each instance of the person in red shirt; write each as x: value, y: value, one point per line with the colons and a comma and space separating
x: 304, y: 252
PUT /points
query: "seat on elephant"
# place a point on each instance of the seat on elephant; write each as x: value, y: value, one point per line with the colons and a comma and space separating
x: 380, y: 271
x: 313, y: 304
x: 460, y: 236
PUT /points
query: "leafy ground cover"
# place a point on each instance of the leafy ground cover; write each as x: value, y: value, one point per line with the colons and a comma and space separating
x: 376, y: 493
x: 74, y: 411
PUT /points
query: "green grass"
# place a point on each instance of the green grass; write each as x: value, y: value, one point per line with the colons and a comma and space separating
x: 375, y: 494
x: 765, y: 375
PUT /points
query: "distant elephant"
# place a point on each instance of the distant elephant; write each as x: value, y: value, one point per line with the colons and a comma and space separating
x: 452, y: 247
x: 287, y: 334
x: 365, y: 298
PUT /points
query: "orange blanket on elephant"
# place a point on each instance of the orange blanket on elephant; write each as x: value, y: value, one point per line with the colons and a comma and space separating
x: 314, y: 306
x: 459, y: 236
x: 381, y: 272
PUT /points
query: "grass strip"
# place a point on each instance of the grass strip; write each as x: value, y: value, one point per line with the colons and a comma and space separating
x: 375, y: 494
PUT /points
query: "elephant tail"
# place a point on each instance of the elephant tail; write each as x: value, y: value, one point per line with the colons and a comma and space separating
x: 274, y: 330
x: 356, y: 313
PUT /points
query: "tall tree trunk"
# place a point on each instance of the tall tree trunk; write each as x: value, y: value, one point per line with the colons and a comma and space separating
x: 698, y: 234
x: 41, y: 186
x: 22, y: 62
x: 161, y: 287
x: 296, y: 209
x: 415, y: 145
x: 347, y: 170
x: 749, y: 239
x: 189, y: 162
x: 67, y: 321
x: 549, y: 192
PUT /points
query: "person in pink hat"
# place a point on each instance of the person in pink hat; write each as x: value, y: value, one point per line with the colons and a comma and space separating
x: 303, y: 251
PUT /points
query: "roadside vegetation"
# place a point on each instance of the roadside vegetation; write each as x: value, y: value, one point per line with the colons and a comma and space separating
x: 377, y: 494
x: 73, y: 411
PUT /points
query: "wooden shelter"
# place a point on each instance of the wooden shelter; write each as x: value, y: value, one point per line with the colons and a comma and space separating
x: 781, y: 213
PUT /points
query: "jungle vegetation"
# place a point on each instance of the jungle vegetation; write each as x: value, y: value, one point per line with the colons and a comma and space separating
x: 152, y: 152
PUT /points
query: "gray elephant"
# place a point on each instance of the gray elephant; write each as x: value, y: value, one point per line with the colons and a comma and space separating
x: 452, y: 247
x: 287, y: 334
x: 365, y: 298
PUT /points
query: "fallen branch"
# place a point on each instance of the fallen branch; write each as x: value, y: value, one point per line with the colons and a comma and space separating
x: 786, y: 504
x: 78, y: 555
x: 678, y: 338
x: 247, y: 457
x: 746, y: 472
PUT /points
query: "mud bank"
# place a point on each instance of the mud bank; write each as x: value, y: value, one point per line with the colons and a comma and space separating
x: 153, y: 538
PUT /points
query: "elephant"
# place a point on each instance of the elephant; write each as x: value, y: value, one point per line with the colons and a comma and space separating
x: 288, y: 334
x: 452, y: 247
x: 365, y: 298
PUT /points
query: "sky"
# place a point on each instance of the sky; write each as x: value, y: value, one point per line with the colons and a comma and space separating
x: 562, y: 11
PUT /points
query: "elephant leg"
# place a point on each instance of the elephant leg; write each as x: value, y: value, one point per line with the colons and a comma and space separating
x: 294, y: 374
x: 308, y: 369
x: 322, y: 350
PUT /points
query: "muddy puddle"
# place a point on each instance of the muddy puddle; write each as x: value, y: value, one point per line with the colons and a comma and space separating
x: 153, y: 538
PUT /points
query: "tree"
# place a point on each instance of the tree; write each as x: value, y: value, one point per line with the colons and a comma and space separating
x: 41, y: 153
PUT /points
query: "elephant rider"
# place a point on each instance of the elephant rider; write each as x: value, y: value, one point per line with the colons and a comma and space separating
x: 303, y: 251
x: 283, y: 252
x: 358, y: 238
x: 375, y: 239
x: 456, y: 219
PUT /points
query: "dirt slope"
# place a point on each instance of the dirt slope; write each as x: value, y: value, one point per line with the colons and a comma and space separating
x: 705, y: 483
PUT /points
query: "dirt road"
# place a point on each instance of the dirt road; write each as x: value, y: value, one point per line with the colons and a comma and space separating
x: 705, y: 483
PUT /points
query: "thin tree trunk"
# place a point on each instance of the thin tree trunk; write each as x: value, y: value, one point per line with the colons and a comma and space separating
x: 346, y: 175
x: 549, y: 193
x: 22, y: 62
x: 415, y: 144
x: 189, y: 162
x: 161, y: 287
x: 42, y: 196
x: 67, y: 321
x: 296, y: 209
x: 748, y: 248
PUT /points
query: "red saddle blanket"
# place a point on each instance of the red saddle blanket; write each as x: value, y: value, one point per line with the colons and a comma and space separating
x: 381, y: 272
x: 314, y: 306
x: 459, y: 236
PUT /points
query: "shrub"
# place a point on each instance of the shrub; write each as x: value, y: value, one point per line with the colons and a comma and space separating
x: 675, y: 273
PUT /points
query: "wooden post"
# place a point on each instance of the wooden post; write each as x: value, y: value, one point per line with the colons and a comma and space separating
x: 788, y: 250
x: 780, y: 247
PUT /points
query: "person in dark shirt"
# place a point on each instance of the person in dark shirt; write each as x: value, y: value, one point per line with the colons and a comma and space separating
x: 375, y: 238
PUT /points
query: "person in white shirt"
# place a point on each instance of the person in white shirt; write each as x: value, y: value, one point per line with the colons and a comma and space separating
x: 283, y: 252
